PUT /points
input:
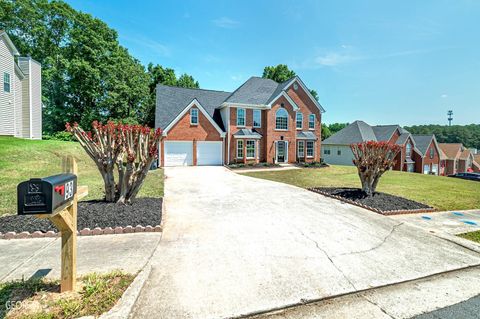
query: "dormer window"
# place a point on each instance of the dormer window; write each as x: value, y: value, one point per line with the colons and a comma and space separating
x: 194, y: 116
x: 281, y: 119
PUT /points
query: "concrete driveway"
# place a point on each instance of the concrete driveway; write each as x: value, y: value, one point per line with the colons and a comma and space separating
x: 234, y: 245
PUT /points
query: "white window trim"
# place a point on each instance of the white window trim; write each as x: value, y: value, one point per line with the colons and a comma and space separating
x: 301, y: 126
x: 281, y: 129
x: 253, y: 118
x: 244, y: 116
x: 5, y: 75
x: 243, y: 149
x: 314, y: 119
x: 298, y: 150
x: 254, y: 149
x: 313, y: 149
x: 191, y: 111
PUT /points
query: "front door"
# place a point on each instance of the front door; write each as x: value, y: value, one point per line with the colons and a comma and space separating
x: 281, y: 149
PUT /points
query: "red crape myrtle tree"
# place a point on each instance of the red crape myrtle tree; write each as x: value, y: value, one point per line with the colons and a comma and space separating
x: 130, y: 149
x: 372, y: 160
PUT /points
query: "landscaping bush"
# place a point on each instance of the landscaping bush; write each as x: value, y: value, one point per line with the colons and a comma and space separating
x: 60, y: 136
x: 131, y: 149
x: 372, y: 159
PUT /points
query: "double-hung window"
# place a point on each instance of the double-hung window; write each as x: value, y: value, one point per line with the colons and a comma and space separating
x: 311, y: 122
x: 250, y: 149
x: 299, y: 120
x: 310, y: 146
x: 281, y: 119
x: 239, y: 148
x: 257, y: 118
x: 301, y: 149
x: 6, y: 82
x: 326, y: 151
x: 194, y: 116
x: 240, y: 117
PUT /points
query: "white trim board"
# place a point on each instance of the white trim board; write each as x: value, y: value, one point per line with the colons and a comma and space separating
x: 304, y: 87
x: 185, y: 110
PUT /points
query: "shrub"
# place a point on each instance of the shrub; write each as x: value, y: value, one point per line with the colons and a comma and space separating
x: 372, y: 159
x: 130, y: 148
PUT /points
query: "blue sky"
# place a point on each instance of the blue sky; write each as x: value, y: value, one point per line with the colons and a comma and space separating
x: 384, y: 62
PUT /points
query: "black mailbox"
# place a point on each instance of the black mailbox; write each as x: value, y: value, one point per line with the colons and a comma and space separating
x: 46, y: 195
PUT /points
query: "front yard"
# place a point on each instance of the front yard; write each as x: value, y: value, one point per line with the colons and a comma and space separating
x: 24, y: 159
x: 442, y: 193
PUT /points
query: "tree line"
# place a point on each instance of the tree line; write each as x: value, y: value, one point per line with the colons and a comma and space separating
x: 468, y: 135
x: 86, y: 74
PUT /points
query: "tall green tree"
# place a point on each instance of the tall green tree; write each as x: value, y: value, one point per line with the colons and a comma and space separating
x: 86, y: 74
x: 281, y: 73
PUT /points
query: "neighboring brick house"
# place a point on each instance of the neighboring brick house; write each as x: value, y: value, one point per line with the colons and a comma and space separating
x: 476, y: 163
x: 261, y: 121
x: 458, y: 158
x: 430, y: 161
x: 422, y: 156
x: 20, y: 92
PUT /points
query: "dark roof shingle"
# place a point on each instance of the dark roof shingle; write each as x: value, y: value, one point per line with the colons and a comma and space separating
x: 172, y: 100
x: 356, y: 132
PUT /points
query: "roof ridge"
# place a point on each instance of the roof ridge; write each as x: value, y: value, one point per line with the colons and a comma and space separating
x: 198, y: 89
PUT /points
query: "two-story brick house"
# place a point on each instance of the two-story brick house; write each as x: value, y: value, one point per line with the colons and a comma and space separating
x: 261, y: 121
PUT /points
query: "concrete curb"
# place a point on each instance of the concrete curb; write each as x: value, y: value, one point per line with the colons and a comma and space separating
x: 382, y: 212
x: 124, y: 306
x: 86, y: 232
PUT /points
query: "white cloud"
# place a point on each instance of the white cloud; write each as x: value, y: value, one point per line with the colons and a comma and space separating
x: 226, y: 23
x: 333, y: 59
x: 444, y: 96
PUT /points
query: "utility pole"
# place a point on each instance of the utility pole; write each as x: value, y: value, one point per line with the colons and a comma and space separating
x: 450, y: 117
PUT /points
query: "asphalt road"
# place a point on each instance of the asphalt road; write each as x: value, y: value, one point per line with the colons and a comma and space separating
x: 468, y: 309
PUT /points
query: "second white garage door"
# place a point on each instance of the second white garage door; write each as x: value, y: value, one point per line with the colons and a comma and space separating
x: 209, y: 153
x: 178, y: 153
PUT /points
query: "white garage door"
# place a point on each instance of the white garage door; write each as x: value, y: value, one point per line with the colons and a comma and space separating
x: 178, y: 153
x: 209, y: 153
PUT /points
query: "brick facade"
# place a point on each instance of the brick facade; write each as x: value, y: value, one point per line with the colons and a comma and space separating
x: 184, y: 131
x: 270, y: 135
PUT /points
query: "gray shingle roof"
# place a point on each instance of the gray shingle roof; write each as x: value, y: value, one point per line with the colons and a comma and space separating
x: 402, y: 138
x: 255, y: 90
x: 306, y: 135
x: 172, y: 100
x: 384, y: 132
x: 356, y: 132
x: 247, y: 132
x: 422, y: 142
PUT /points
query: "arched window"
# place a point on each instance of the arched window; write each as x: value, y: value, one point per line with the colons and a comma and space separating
x: 281, y: 119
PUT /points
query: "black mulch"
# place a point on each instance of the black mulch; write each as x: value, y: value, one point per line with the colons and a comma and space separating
x: 381, y: 201
x: 143, y: 211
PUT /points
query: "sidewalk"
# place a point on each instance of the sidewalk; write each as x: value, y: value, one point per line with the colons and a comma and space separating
x: 450, y: 222
x: 24, y: 258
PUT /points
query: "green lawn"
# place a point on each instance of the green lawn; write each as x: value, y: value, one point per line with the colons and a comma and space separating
x: 442, y: 193
x: 24, y: 159
x: 474, y: 236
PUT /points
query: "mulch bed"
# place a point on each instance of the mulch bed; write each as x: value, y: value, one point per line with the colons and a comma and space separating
x: 380, y: 202
x: 91, y: 214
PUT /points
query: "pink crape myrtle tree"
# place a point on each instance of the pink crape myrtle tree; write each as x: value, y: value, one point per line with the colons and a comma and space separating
x: 128, y: 149
x: 372, y: 159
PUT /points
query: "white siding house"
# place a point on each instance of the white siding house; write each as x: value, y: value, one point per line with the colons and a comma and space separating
x: 20, y: 93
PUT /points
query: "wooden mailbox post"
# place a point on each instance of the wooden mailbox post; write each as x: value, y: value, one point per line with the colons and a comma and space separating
x: 64, y: 217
